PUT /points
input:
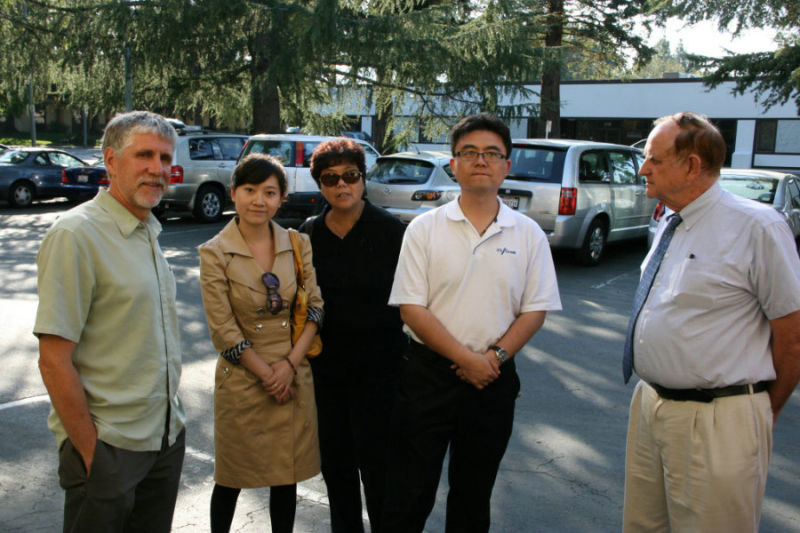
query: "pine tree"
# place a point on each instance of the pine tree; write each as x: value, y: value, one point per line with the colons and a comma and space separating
x: 773, y: 76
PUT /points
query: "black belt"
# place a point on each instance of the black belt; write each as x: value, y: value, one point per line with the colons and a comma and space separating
x: 422, y: 351
x: 708, y: 395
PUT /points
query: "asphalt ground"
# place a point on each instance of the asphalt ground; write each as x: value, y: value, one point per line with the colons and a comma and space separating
x: 563, y: 471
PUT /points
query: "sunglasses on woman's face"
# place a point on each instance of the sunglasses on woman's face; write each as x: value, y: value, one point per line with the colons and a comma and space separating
x: 272, y: 283
x: 330, y: 179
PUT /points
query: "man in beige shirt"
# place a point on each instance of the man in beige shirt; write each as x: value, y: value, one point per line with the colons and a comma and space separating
x: 109, y: 347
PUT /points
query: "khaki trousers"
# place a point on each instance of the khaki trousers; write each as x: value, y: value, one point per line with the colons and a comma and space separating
x: 696, y: 467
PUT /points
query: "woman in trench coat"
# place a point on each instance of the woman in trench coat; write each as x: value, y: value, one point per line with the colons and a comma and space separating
x: 265, y: 421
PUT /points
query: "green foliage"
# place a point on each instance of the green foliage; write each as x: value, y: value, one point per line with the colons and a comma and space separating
x: 734, y: 14
x: 662, y: 61
x: 773, y: 76
x: 259, y: 64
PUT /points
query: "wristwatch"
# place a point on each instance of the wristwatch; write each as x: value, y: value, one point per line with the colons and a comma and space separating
x: 500, y: 353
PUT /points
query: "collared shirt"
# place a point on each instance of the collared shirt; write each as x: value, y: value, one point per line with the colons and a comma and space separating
x: 476, y: 285
x: 732, y: 266
x: 105, y: 284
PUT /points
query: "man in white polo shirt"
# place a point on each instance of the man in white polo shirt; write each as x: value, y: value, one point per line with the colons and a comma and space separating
x: 473, y: 283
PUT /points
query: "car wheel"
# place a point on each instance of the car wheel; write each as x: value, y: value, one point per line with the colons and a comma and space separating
x: 594, y: 244
x: 21, y: 194
x: 208, y: 204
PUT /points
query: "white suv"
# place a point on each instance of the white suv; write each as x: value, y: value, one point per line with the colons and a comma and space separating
x: 294, y: 151
x: 201, y: 173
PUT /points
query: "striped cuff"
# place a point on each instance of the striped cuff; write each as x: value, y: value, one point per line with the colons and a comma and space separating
x: 316, y: 315
x: 234, y: 354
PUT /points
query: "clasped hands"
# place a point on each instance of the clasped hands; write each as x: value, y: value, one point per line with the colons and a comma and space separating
x: 279, y: 383
x: 479, y: 370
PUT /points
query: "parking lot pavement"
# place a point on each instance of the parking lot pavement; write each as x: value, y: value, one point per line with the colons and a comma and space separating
x: 563, y: 471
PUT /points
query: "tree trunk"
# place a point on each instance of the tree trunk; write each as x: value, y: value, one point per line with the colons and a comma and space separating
x: 381, y: 130
x: 265, y: 99
x: 550, y: 106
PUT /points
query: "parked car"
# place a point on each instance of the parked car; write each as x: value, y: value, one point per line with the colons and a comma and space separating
x: 201, y: 173
x: 583, y: 194
x: 778, y: 189
x: 294, y: 151
x: 409, y: 183
x: 81, y: 183
x: 29, y: 174
x: 363, y: 135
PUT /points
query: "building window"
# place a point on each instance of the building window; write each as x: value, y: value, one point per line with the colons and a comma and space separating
x: 778, y: 136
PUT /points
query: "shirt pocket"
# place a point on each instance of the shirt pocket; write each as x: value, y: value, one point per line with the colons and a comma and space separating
x: 695, y: 283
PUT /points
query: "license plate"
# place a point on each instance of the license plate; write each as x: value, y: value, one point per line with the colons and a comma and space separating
x: 83, y: 178
x: 510, y: 201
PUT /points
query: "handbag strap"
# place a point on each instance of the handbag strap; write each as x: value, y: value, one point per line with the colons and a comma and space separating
x: 294, y: 236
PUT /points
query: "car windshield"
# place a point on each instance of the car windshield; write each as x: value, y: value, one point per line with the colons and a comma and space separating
x: 752, y: 188
x: 13, y: 157
x: 396, y: 170
x: 536, y: 163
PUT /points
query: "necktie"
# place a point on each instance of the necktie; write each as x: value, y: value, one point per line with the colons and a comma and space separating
x: 644, y: 289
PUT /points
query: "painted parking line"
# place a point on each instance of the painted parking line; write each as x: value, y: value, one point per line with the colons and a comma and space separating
x: 612, y: 280
x: 25, y: 401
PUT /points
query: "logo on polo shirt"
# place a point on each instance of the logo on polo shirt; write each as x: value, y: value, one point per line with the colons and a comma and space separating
x: 504, y: 251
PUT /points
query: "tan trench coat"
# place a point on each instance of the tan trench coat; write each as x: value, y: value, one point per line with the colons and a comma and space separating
x: 257, y: 442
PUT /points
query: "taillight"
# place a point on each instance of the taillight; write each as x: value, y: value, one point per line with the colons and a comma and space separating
x: 426, y: 196
x: 567, y: 201
x: 104, y: 180
x: 64, y: 177
x: 298, y: 154
x: 659, y: 212
x: 176, y: 174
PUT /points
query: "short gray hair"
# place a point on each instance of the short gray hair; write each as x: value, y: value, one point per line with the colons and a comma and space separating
x: 123, y: 126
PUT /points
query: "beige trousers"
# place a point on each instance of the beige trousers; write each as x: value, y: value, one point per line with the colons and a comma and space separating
x: 695, y: 467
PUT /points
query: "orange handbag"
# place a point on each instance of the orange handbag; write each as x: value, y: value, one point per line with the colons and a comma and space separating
x: 300, y: 305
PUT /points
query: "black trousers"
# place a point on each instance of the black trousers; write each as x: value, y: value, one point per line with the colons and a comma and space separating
x: 125, y: 491
x: 435, y: 409
x: 353, y: 424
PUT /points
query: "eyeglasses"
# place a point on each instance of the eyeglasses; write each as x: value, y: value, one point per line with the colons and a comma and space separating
x: 330, y: 179
x: 472, y: 155
x: 274, y: 300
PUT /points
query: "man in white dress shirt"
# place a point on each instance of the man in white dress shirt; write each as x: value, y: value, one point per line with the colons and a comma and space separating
x: 716, y: 343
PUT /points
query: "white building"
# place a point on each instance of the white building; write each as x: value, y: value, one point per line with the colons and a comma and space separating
x: 623, y: 112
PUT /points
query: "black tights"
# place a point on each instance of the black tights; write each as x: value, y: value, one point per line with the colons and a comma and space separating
x: 282, y: 503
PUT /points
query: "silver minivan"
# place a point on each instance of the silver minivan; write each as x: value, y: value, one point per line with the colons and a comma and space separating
x: 201, y: 173
x: 583, y: 194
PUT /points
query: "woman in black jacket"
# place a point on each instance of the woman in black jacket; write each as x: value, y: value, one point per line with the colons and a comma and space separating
x: 355, y: 248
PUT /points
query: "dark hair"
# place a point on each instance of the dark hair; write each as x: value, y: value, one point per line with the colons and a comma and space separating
x: 336, y: 152
x: 697, y: 135
x: 480, y: 122
x: 257, y: 168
